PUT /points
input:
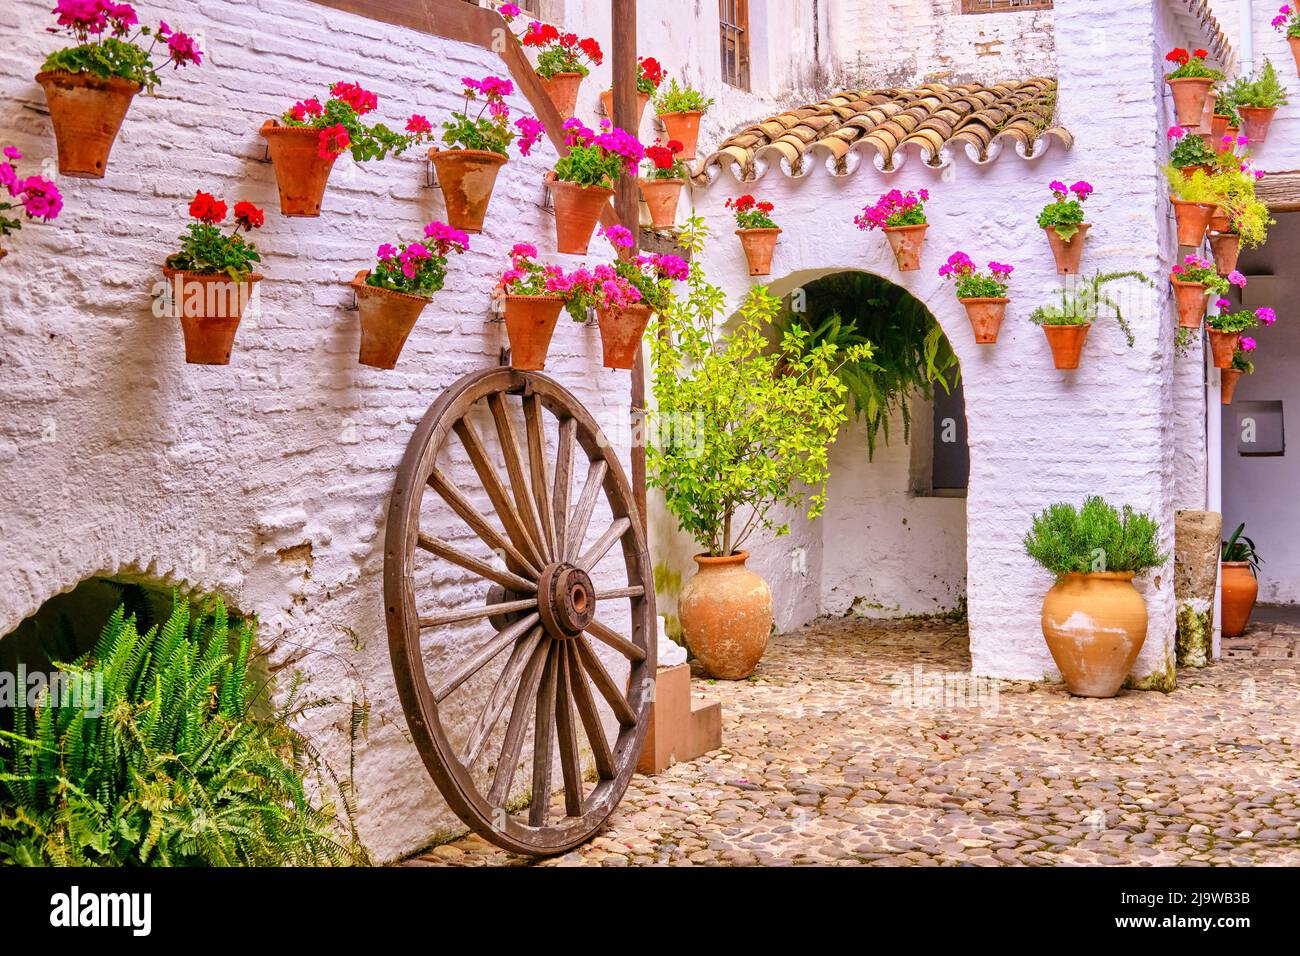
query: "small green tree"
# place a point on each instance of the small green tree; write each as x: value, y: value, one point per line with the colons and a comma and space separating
x: 742, y: 424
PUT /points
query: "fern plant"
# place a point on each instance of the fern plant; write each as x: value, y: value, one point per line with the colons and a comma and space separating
x: 1082, y: 303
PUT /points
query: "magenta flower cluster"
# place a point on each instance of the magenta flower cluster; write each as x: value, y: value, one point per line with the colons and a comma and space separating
x: 894, y: 208
x: 1082, y: 190
x: 611, y: 141
x: 1285, y: 16
x: 39, y: 197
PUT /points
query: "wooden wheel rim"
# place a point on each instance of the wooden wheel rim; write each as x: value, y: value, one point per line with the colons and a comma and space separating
x: 565, y: 662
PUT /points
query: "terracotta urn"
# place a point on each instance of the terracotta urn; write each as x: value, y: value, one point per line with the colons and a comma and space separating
x: 620, y: 333
x: 661, y: 196
x: 530, y: 323
x: 1295, y: 51
x: 300, y: 172
x: 907, y: 242
x: 1228, y: 379
x: 1066, y: 342
x: 1223, y: 345
x: 726, y: 615
x: 1193, y: 219
x: 986, y: 316
x: 1189, y: 99
x: 467, y: 178
x: 562, y: 88
x: 1240, y: 589
x: 387, y: 317
x: 210, y: 307
x: 759, y: 246
x: 577, y: 210
x: 1095, y: 625
x: 86, y: 112
x: 1067, y: 252
x: 685, y: 128
x: 1190, y: 299
x: 642, y: 100
x: 1255, y: 121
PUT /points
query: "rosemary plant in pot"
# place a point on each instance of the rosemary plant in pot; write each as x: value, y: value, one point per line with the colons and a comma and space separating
x: 1257, y: 98
x: 1066, y: 324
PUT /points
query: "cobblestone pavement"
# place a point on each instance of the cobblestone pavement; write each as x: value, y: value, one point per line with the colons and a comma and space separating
x: 827, y: 760
x: 1273, y: 634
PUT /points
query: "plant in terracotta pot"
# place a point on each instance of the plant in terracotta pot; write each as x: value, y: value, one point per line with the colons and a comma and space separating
x: 740, y: 432
x: 680, y: 108
x: 1194, y: 203
x: 562, y: 60
x: 1226, y: 330
x: 1094, y: 619
x: 757, y: 230
x: 392, y: 293
x: 211, y: 280
x: 901, y: 217
x: 1193, y: 280
x: 1241, y: 365
x: 1062, y: 220
x: 1190, y: 81
x: 1236, y: 217
x: 1187, y: 154
x: 310, y: 136
x: 983, y: 294
x: 584, y: 178
x: 89, y: 86
x: 649, y: 74
x: 1239, y: 570
x: 38, y: 196
x: 1066, y: 324
x: 534, y: 296
x: 1256, y: 99
x: 661, y: 186
x: 1287, y: 22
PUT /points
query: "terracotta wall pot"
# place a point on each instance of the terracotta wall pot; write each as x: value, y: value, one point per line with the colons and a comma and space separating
x: 577, y: 210
x: 985, y: 317
x: 685, y: 128
x: 1095, y: 625
x: 1067, y: 252
x: 1225, y: 246
x: 1295, y: 52
x: 907, y: 242
x: 1193, y: 219
x: 467, y: 177
x: 642, y: 100
x: 726, y: 615
x: 1240, y: 589
x: 661, y: 196
x: 530, y: 323
x: 562, y: 88
x: 1218, y: 130
x: 1228, y: 379
x: 1255, y: 121
x: 86, y: 112
x: 620, y: 334
x: 387, y: 318
x: 300, y: 173
x: 1219, y: 221
x: 1223, y: 344
x: 1190, y: 298
x: 1066, y: 342
x: 759, y: 246
x: 1190, y: 171
x: 210, y: 308
x: 1189, y: 99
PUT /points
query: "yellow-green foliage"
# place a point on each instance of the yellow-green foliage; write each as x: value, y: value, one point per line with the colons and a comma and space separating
x: 1231, y: 189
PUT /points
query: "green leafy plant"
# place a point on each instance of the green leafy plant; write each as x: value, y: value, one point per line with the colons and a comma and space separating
x: 206, y: 250
x: 1082, y: 301
x: 1239, y: 320
x: 1195, y: 269
x: 1241, y: 548
x: 418, y: 268
x: 681, y: 98
x: 1190, y: 65
x: 106, y: 46
x: 1262, y: 89
x: 1241, y: 360
x: 1096, y: 537
x: 741, y: 425
x: 341, y: 128
x: 971, y: 283
x: 489, y: 129
x: 1064, y: 214
x: 597, y: 159
x: 1189, y: 150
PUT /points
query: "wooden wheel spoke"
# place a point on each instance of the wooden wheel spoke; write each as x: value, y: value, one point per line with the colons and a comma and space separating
x: 485, y: 653
x: 515, y: 528
x: 566, y: 730
x: 444, y: 618
x: 635, y: 591
x: 539, y: 811
x: 513, y: 744
x: 563, y: 483
x: 537, y: 468
x: 520, y: 658
x: 507, y: 579
x: 589, y: 715
x: 607, y: 635
x: 479, y: 524
x: 606, y: 541
x: 515, y: 469
x: 604, y: 683
x: 582, y: 512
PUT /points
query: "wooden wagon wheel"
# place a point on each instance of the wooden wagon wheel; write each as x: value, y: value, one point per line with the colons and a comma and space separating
x: 541, y: 627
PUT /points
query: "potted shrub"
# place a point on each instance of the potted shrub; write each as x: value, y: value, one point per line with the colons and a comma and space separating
x: 1192, y: 205
x: 583, y: 180
x: 1241, y: 365
x: 1225, y: 329
x: 1287, y: 22
x: 39, y: 198
x: 680, y: 109
x: 649, y: 74
x: 1239, y: 571
x: 1257, y: 98
x: 392, y: 294
x: 534, y: 295
x: 983, y: 295
x: 562, y: 60
x: 661, y: 186
x: 1062, y: 220
x: 1236, y: 217
x: 1066, y: 325
x: 211, y: 280
x: 1094, y: 619
x: 901, y: 217
x: 1187, y: 154
x: 757, y: 232
x: 1190, y: 81
x: 310, y: 136
x: 766, y: 416
x: 89, y: 86
x: 1193, y: 279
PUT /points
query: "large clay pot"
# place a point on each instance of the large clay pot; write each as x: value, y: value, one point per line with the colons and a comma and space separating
x: 1193, y: 219
x: 621, y: 332
x: 1066, y: 342
x: 530, y: 323
x: 985, y: 317
x: 387, y: 318
x: 642, y: 99
x: 86, y: 112
x: 1255, y: 121
x: 1225, y: 246
x: 1189, y: 99
x: 726, y: 615
x: 661, y: 196
x: 759, y: 246
x: 1095, y: 625
x: 577, y: 210
x: 1190, y: 298
x: 685, y: 128
x: 907, y: 241
x: 1067, y: 252
x: 467, y: 177
x: 1240, y: 589
x: 210, y: 309
x: 562, y: 88
x: 1223, y: 345
x: 1228, y: 379
x: 300, y: 172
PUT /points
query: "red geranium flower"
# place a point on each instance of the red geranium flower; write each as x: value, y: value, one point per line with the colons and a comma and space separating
x: 1200, y: 54
x: 569, y: 39
x: 1177, y: 55
x: 248, y: 215
x: 675, y: 145
x: 207, y: 208
x: 333, y: 140
x: 592, y: 49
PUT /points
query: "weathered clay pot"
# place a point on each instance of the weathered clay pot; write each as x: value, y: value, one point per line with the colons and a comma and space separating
x: 1190, y: 298
x: 1255, y: 121
x: 661, y: 196
x: 1228, y: 379
x: 467, y: 177
x: 1240, y: 589
x: 1226, y: 247
x: 1222, y: 345
x: 86, y: 112
x: 1189, y: 99
x: 1193, y: 219
x: 300, y: 172
x: 759, y: 246
x: 1190, y: 171
x: 985, y: 317
x: 562, y: 88
x: 387, y: 318
x: 1295, y: 52
x: 530, y: 323
x: 1095, y: 625
x: 907, y: 242
x: 726, y: 615
x: 685, y: 128
x: 210, y: 309
x: 1066, y: 342
x: 577, y: 210
x: 1067, y: 252
x: 1218, y: 130
x: 1219, y: 221
x: 1232, y: 131
x: 620, y: 334
x: 607, y: 102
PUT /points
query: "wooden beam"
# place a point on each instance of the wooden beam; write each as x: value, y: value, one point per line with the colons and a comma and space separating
x: 1280, y: 191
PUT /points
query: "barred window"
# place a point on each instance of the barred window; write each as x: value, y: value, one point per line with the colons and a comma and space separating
x: 1003, y: 6
x: 733, y: 25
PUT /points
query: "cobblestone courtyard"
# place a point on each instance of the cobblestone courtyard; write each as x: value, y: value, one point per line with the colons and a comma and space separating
x: 826, y: 760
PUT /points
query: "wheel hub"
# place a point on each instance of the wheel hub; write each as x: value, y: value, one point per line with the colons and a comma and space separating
x: 566, y: 600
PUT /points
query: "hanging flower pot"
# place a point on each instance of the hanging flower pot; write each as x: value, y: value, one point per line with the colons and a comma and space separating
x: 1218, y: 130
x: 86, y: 112
x: 986, y: 315
x: 387, y: 318
x: 1228, y: 379
x: 901, y: 217
x: 759, y: 246
x: 467, y: 178
x: 1223, y: 345
x: 1255, y: 121
x: 679, y: 108
x: 301, y: 172
x: 1189, y: 98
x: 1193, y: 219
x: 661, y: 196
x: 1068, y: 253
x: 1066, y: 342
x: 1226, y: 247
x: 607, y: 103
x: 983, y: 294
x: 577, y: 211
x: 1190, y: 298
x: 1294, y: 43
x: 620, y: 334
x: 1062, y: 219
x: 726, y: 615
x: 561, y: 59
x: 562, y: 89
x: 1219, y: 220
x: 684, y: 128
x: 530, y: 323
x: 907, y: 243
x: 583, y: 180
